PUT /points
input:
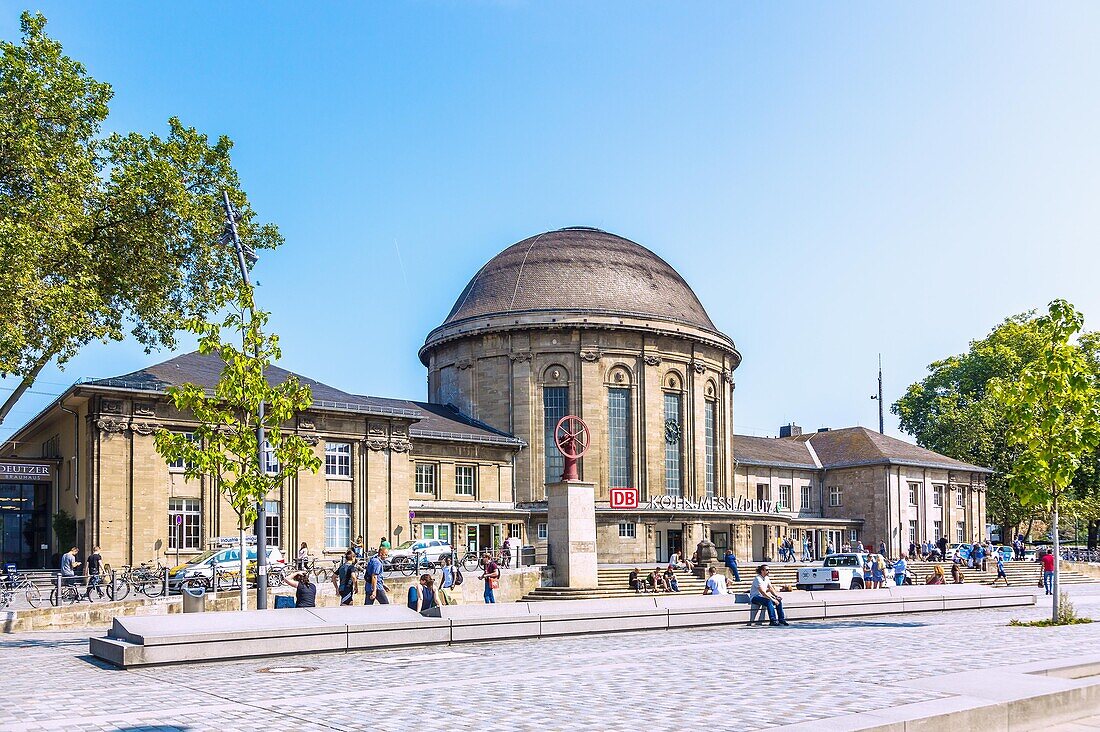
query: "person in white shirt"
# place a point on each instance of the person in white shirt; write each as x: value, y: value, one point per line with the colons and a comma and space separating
x: 716, y: 583
x: 674, y: 560
x: 763, y: 593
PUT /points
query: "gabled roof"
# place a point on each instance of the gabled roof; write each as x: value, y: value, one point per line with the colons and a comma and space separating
x: 780, y: 453
x: 853, y: 446
x: 432, y: 421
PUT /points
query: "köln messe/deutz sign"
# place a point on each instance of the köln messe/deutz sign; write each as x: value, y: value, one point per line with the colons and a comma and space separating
x: 627, y: 499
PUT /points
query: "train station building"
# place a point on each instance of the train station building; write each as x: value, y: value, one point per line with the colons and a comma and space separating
x: 574, y: 321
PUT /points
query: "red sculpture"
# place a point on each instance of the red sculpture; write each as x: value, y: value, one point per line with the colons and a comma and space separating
x: 572, y: 437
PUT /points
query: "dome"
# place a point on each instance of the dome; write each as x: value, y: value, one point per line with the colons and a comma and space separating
x: 576, y: 271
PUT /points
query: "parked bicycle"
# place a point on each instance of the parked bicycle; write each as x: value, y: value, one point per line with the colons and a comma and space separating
x: 20, y: 582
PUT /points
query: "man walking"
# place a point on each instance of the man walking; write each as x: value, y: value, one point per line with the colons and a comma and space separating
x: 1048, y: 572
x: 69, y: 565
x: 731, y: 565
x: 95, y: 569
x: 491, y: 576
x: 345, y: 580
x: 376, y: 586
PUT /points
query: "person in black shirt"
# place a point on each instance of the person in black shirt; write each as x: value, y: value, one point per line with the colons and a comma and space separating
x: 95, y: 569
x: 345, y: 580
x: 305, y: 592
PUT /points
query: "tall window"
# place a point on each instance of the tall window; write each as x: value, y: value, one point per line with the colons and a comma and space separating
x: 785, y: 497
x: 912, y: 532
x: 807, y: 498
x: 178, y: 465
x: 516, y: 532
x: 271, y: 463
x: 914, y: 490
x: 338, y: 459
x: 426, y: 478
x: 937, y: 530
x: 337, y: 525
x: 834, y: 495
x: 937, y: 496
x: 272, y: 523
x: 618, y: 437
x: 540, y: 531
x: 710, y: 436
x: 960, y: 531
x: 184, y: 533
x: 555, y: 405
x: 464, y: 480
x: 960, y: 498
x: 761, y: 491
x: 673, y: 435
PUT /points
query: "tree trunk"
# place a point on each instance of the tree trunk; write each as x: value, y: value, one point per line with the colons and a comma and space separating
x: 244, y: 568
x: 24, y: 384
x: 1057, y: 556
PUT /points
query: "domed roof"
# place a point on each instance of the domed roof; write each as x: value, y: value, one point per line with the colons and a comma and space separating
x: 580, y: 269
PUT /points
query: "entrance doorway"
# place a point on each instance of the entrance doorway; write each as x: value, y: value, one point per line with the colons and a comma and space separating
x: 675, y: 542
x: 23, y: 515
x: 759, y: 551
x: 482, y: 537
x: 836, y: 538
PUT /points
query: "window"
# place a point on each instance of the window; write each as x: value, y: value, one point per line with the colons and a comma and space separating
x: 627, y: 530
x: 541, y: 531
x: 555, y: 405
x: 761, y: 491
x: 937, y: 496
x: 710, y: 437
x: 785, y: 497
x: 673, y: 433
x: 618, y: 438
x: 914, y: 491
x: 184, y: 533
x: 912, y: 532
x: 464, y: 480
x: 178, y: 465
x: 439, y: 532
x: 271, y: 463
x: 337, y: 525
x: 937, y: 530
x: 516, y: 532
x: 426, y: 478
x: 834, y: 495
x: 51, y: 448
x: 853, y: 537
x: 960, y: 497
x: 272, y: 523
x: 960, y: 531
x: 807, y: 498
x: 337, y: 459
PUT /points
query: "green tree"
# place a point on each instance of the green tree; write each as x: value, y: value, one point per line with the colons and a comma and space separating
x: 952, y: 410
x: 101, y: 234
x: 225, y: 442
x: 1053, y: 417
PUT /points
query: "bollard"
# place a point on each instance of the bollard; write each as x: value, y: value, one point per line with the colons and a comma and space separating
x: 57, y: 603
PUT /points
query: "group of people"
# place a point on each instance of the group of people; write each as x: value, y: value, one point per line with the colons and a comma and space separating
x: 762, y: 593
x: 656, y: 581
x: 788, y: 551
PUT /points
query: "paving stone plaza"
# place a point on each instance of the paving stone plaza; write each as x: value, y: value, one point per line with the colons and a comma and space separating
x: 732, y: 678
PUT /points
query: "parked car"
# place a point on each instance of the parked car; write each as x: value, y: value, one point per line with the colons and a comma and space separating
x: 200, y: 569
x: 430, y: 551
x: 836, y: 572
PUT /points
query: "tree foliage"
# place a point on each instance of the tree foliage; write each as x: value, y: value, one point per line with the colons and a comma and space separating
x: 102, y: 234
x: 224, y: 444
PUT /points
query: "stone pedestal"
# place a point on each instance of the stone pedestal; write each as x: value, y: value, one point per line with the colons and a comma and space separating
x: 708, y: 557
x: 571, y: 533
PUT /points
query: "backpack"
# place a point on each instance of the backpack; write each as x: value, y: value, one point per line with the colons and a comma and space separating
x: 458, y: 577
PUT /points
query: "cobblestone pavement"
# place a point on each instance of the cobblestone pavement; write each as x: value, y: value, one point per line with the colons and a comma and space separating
x: 729, y: 678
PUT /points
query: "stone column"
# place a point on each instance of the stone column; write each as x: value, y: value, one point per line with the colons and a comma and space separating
x: 571, y: 533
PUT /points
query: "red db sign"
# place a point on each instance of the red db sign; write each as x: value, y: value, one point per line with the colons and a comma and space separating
x: 624, y: 497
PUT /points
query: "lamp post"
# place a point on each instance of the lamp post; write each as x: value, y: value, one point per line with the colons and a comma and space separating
x: 244, y: 258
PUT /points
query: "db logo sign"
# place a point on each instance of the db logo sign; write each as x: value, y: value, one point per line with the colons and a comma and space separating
x: 624, y: 497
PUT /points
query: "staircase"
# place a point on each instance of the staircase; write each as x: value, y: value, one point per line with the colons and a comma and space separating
x: 613, y: 580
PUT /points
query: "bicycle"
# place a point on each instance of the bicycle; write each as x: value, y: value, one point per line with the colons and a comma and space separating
x: 20, y: 582
x: 69, y: 594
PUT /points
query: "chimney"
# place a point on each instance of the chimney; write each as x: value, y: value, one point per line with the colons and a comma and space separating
x: 790, y: 430
x: 822, y: 429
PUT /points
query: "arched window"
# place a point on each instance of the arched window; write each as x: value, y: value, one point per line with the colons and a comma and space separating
x: 710, y: 437
x: 674, y: 432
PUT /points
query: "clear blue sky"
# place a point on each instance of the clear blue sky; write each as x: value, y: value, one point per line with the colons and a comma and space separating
x: 834, y: 180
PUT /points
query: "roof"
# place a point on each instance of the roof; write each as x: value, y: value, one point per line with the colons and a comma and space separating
x: 436, y: 421
x: 772, y: 452
x: 854, y: 446
x: 580, y: 268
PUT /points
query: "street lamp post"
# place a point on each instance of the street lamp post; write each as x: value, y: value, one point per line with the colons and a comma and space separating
x: 243, y: 259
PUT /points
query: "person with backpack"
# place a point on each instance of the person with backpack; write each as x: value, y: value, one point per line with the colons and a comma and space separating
x: 422, y: 596
x: 491, y: 576
x: 376, y: 586
x: 345, y: 580
x: 452, y: 578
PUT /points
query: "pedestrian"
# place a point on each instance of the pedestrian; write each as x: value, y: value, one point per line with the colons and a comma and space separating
x: 357, y: 548
x: 859, y: 546
x: 422, y: 596
x: 716, y: 583
x: 95, y: 572
x: 829, y: 548
x: 1001, y: 569
x: 345, y: 580
x: 303, y: 556
x: 670, y: 580
x: 806, y: 555
x: 372, y: 575
x: 1048, y: 572
x: 635, y: 581
x: 882, y: 548
x: 383, y: 543
x: 491, y: 577
x: 305, y: 592
x: 899, y: 572
x: 941, y: 545
x: 731, y: 565
x: 763, y: 593
x: 506, y: 552
x: 69, y: 565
